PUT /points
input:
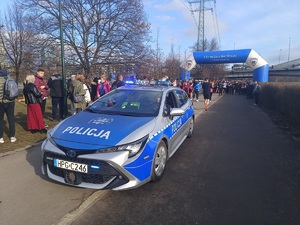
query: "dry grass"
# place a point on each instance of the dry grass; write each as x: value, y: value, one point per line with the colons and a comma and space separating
x: 24, y: 137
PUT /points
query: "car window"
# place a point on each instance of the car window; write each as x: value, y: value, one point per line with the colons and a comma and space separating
x: 128, y: 103
x: 182, y: 97
x: 170, y: 102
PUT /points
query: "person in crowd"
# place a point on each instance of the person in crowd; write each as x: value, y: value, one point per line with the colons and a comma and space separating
x: 103, y: 86
x: 6, y: 107
x: 112, y: 79
x: 249, y: 90
x: 42, y: 87
x: 256, y: 92
x: 55, y: 85
x: 35, y: 121
x: 230, y: 87
x: 196, y: 91
x: 191, y: 89
x: 118, y: 83
x: 76, y: 87
x: 70, y: 94
x: 206, y: 86
x: 220, y: 88
x: 211, y: 90
x: 224, y: 85
x: 87, y: 96
x: 185, y: 87
x: 94, y: 85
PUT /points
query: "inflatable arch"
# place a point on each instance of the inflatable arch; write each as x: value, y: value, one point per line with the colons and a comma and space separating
x: 249, y: 56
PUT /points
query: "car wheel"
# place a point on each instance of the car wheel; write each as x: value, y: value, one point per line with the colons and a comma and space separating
x: 159, y: 161
x: 191, y: 128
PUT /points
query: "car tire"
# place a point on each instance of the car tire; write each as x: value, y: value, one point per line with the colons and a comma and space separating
x: 191, y: 128
x: 159, y: 161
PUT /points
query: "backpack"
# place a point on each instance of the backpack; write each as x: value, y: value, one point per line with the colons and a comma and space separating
x: 11, y: 90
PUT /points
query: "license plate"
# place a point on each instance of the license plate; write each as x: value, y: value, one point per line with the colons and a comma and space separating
x: 78, y: 167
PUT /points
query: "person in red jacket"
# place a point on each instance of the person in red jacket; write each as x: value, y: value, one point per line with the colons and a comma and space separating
x: 42, y: 87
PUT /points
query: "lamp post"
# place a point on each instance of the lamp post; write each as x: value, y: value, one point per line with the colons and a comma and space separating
x: 63, y: 72
x: 279, y: 56
x: 289, y: 49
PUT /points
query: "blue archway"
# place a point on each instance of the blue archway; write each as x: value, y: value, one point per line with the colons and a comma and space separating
x: 249, y: 56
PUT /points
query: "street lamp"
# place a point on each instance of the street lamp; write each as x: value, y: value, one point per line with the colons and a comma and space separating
x: 279, y: 56
x: 64, y: 86
x: 289, y: 49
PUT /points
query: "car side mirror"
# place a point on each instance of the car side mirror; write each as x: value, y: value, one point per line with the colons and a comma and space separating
x: 176, y: 112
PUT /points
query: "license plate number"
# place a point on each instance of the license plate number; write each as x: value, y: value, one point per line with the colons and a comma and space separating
x: 78, y: 167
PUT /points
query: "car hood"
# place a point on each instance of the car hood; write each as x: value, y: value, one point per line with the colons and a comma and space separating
x: 87, y: 130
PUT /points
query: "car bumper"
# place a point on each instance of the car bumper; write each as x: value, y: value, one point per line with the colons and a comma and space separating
x: 105, y: 170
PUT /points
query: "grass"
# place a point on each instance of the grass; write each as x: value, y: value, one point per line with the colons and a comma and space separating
x: 24, y: 138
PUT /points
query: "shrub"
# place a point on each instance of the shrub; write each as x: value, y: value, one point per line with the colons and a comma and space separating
x: 282, y: 98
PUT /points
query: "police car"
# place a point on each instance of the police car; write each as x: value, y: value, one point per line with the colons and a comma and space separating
x: 121, y: 141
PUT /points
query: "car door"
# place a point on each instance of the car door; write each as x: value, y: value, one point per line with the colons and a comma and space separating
x: 175, y: 139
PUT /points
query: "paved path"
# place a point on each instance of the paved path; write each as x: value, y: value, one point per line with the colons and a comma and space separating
x: 238, y: 168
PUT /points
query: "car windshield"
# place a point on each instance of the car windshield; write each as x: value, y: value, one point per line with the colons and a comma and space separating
x: 140, y: 103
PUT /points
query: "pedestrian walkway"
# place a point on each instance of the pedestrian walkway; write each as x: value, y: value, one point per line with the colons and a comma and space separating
x: 199, y: 106
x: 238, y: 168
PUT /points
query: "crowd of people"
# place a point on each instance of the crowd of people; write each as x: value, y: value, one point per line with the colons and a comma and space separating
x: 207, y: 87
x: 81, y: 92
x: 37, y: 90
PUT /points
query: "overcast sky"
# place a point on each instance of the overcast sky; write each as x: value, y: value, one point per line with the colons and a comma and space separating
x: 271, y: 28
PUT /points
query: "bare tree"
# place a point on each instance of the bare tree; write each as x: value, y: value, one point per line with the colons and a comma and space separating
x: 20, y: 39
x: 210, y: 71
x: 96, y: 31
x: 172, y: 65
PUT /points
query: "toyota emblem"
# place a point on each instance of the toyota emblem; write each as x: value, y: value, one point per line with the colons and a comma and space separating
x: 71, y: 153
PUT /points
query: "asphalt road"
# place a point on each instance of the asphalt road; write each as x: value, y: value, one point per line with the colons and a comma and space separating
x: 238, y: 168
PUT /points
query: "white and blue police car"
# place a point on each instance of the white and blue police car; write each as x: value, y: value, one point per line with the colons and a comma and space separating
x: 121, y: 141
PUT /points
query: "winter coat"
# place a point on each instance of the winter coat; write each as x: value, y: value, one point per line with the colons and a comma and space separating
x: 55, y: 85
x: 31, y: 94
x: 40, y: 82
x: 76, y: 87
x: 103, y: 88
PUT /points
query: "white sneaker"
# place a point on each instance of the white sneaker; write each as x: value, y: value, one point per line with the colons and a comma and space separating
x: 1, y: 140
x: 13, y: 139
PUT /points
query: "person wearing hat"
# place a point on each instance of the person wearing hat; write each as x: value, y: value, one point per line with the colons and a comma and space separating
x: 6, y: 107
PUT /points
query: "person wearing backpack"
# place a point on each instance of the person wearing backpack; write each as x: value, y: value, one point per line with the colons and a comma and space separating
x: 76, y: 88
x: 7, y: 106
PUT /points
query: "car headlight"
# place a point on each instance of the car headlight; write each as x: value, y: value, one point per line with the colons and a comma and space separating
x: 49, y: 138
x: 133, y: 148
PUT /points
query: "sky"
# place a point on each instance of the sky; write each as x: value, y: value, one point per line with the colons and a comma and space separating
x: 271, y: 28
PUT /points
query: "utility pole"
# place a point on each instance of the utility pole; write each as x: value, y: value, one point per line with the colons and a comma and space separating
x: 201, y: 8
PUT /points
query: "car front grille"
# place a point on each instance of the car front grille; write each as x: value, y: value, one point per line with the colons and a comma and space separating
x: 94, y: 176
